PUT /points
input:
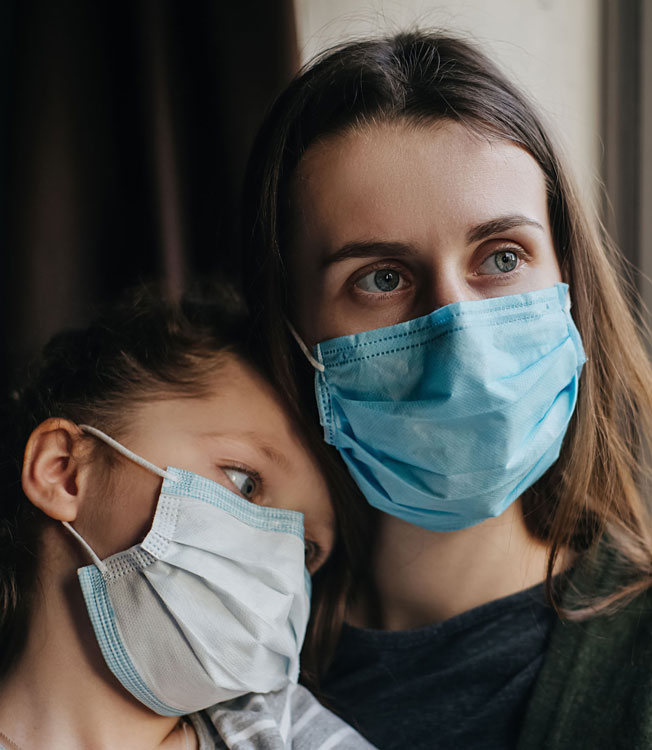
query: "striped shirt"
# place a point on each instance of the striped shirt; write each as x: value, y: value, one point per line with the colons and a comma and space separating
x: 288, y: 719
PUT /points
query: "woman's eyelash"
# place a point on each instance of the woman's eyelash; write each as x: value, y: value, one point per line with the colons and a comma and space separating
x: 508, y: 247
x: 379, y: 266
x: 390, y: 274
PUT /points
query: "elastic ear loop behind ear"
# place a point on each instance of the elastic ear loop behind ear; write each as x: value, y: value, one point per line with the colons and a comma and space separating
x: 132, y: 457
x: 129, y: 454
x: 87, y: 547
x: 307, y: 353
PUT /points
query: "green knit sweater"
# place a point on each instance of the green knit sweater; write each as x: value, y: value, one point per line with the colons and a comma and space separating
x: 594, y: 690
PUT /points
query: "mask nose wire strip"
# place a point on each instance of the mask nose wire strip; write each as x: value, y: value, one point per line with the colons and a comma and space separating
x: 308, y: 355
x: 129, y: 454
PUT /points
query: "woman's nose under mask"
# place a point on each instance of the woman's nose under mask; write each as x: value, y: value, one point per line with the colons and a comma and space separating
x: 445, y: 420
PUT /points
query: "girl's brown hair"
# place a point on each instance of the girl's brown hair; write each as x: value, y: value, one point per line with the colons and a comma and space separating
x: 592, y: 492
x: 144, y: 348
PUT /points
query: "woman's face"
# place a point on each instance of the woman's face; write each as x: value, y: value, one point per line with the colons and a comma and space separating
x: 394, y: 221
x: 239, y: 436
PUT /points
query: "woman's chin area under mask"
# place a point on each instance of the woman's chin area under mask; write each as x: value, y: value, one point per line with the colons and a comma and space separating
x: 238, y: 435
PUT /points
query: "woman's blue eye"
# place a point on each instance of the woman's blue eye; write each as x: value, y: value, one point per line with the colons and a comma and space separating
x: 503, y: 261
x: 246, y: 484
x: 506, y: 261
x: 382, y: 280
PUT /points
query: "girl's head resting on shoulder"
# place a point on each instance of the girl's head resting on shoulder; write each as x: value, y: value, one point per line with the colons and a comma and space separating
x: 395, y: 176
x: 174, y: 383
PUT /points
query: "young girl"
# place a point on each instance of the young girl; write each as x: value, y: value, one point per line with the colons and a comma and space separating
x: 133, y: 595
x: 479, y: 371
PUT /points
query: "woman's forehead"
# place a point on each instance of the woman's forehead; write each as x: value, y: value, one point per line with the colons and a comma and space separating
x: 398, y: 177
x: 377, y: 133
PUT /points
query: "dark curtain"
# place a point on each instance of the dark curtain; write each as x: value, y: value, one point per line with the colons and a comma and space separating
x: 124, y: 129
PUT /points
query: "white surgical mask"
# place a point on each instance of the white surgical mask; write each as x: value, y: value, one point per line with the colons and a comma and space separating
x: 212, y: 604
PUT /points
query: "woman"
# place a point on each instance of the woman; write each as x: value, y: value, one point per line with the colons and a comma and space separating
x: 400, y: 187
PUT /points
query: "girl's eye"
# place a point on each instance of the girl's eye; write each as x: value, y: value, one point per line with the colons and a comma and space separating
x: 502, y: 261
x: 380, y: 281
x: 313, y: 555
x: 246, y: 484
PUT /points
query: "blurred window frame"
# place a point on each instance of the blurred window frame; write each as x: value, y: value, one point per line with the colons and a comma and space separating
x: 627, y: 132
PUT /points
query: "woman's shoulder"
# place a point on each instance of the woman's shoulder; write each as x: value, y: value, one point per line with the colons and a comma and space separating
x: 287, y: 718
x: 595, y: 687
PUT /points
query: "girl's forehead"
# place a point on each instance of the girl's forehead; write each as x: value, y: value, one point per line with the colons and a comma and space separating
x: 235, y: 395
x: 240, y: 418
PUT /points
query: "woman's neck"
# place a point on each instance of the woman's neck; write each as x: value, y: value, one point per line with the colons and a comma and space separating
x: 423, y: 577
x: 61, y: 693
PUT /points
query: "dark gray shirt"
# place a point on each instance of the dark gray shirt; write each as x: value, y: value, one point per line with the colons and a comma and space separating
x: 462, y: 684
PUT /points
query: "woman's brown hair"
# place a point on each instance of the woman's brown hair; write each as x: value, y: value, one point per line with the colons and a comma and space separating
x: 593, y: 491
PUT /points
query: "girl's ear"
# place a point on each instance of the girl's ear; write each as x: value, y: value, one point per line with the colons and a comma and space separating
x: 51, y: 473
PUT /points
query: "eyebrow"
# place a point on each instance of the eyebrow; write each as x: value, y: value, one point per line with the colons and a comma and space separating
x: 501, y: 224
x: 252, y: 438
x: 380, y: 249
x: 368, y: 249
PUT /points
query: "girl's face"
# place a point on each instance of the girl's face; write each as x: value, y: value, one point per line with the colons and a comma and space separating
x: 238, y: 436
x: 393, y: 221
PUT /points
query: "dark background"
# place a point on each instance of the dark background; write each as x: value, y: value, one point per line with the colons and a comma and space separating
x: 125, y: 127
x: 124, y: 131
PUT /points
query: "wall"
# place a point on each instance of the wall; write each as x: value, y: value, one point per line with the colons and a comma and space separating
x: 551, y: 47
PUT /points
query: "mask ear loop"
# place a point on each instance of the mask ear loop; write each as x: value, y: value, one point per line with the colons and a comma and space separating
x: 129, y: 454
x: 307, y: 353
x: 132, y: 457
x: 87, y: 547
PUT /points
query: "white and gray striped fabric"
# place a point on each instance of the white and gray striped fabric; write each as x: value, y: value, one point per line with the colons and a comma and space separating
x: 288, y: 719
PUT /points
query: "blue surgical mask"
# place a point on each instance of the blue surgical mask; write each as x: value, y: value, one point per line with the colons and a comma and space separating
x: 211, y: 605
x: 445, y: 420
